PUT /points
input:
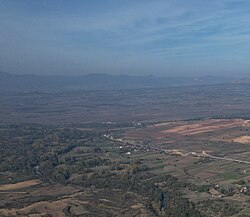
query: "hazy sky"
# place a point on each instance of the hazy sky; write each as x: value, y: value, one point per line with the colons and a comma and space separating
x: 161, y: 37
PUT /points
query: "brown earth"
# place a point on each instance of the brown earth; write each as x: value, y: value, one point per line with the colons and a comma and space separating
x: 242, y: 139
x: 184, y: 128
x: 204, y: 126
x: 20, y: 185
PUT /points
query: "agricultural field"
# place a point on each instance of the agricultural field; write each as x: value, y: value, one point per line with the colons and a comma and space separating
x: 81, y: 154
x: 210, y: 153
x: 79, y: 170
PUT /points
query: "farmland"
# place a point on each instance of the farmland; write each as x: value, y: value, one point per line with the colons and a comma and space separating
x: 123, y: 159
x: 76, y: 160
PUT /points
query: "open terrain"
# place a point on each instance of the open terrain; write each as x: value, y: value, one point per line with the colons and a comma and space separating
x: 82, y: 169
x: 145, y: 105
x: 19, y: 185
x: 126, y: 153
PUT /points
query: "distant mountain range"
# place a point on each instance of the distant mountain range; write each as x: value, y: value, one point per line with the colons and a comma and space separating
x: 14, y: 82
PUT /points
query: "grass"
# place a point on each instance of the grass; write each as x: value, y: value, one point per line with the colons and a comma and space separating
x: 12, y: 178
x: 230, y: 176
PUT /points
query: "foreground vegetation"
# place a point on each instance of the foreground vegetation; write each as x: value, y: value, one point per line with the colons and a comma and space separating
x: 79, y: 158
x: 85, y: 160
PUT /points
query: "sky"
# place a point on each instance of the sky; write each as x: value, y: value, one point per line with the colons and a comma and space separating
x: 134, y: 37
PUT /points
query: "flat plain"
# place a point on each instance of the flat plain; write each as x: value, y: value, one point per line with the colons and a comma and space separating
x: 173, y: 103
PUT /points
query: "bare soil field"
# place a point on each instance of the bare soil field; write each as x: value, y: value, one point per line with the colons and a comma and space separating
x: 242, y: 139
x: 84, y: 203
x: 54, y: 208
x: 186, y: 128
x: 20, y: 185
x: 204, y: 126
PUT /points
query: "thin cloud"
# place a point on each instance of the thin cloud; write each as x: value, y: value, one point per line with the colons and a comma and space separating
x: 91, y: 33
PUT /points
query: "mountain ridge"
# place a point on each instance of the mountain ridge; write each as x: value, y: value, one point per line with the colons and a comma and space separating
x: 99, y: 81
